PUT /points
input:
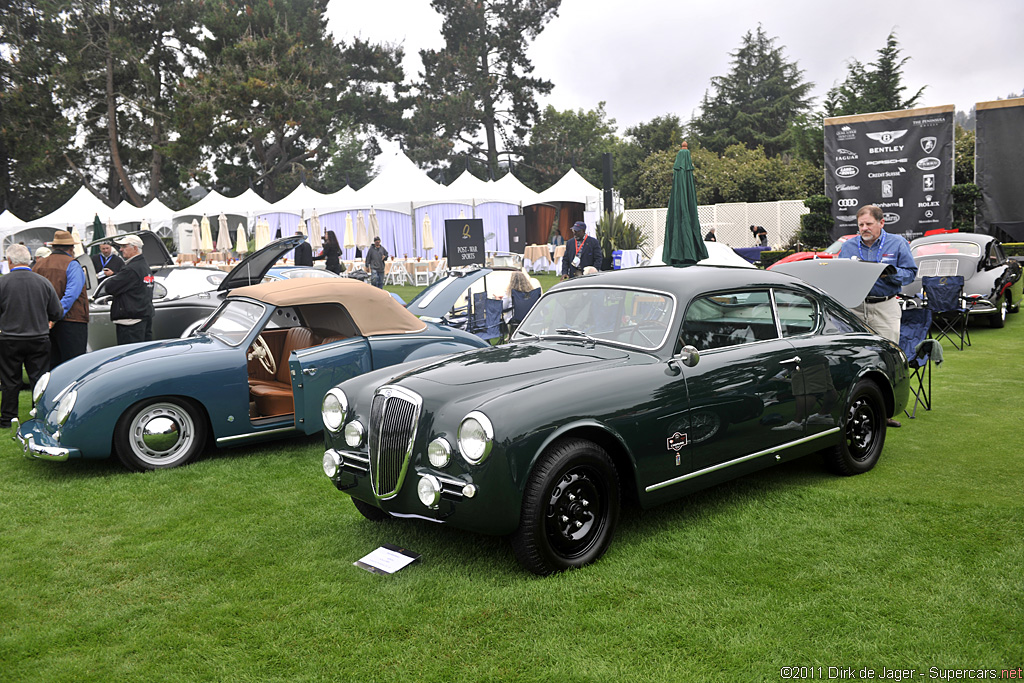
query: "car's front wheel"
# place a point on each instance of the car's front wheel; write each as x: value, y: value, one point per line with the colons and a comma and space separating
x: 864, y: 431
x: 570, y: 507
x: 160, y: 433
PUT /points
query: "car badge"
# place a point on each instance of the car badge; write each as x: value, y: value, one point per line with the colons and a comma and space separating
x: 677, y: 441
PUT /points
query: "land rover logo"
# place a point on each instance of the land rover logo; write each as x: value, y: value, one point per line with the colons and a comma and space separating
x: 846, y: 202
x: 929, y: 164
x: 847, y: 171
x: 891, y: 218
x: 928, y: 144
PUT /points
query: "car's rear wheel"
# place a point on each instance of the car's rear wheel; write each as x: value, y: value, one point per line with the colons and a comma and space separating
x: 570, y: 507
x: 160, y: 433
x: 371, y: 512
x: 998, y: 319
x: 864, y: 431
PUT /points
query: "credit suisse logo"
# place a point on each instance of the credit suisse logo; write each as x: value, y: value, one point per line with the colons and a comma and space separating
x: 847, y: 171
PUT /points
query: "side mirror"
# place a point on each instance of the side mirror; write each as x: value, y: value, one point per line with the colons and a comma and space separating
x: 688, y: 356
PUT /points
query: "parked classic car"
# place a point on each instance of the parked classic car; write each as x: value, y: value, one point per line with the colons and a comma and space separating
x: 830, y: 252
x: 183, y: 296
x: 257, y: 369
x: 992, y: 282
x: 646, y: 383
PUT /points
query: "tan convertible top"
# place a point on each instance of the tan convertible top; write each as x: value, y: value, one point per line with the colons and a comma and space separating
x: 373, y: 310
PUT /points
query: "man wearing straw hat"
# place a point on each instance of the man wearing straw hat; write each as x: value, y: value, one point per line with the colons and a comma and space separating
x: 70, y: 335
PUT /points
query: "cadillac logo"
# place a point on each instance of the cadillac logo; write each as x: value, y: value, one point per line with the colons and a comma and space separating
x: 928, y: 144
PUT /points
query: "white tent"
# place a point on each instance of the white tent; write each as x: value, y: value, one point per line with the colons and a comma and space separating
x: 572, y: 187
x: 77, y: 213
x: 302, y: 200
x: 510, y: 189
x: 468, y: 187
x: 398, y: 186
x: 155, y: 213
x: 9, y: 224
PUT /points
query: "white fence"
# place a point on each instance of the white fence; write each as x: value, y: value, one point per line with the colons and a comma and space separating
x: 731, y: 222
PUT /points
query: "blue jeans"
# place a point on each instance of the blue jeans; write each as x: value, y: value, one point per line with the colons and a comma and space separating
x: 377, y: 279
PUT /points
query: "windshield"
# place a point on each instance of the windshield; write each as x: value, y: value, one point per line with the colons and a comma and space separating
x: 633, y: 318
x: 952, y: 248
x: 837, y: 245
x: 233, y: 321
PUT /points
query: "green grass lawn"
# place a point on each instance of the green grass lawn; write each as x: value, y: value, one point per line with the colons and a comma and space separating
x: 239, y: 568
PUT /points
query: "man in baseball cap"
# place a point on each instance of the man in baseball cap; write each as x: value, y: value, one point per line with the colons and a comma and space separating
x: 69, y: 335
x: 581, y: 251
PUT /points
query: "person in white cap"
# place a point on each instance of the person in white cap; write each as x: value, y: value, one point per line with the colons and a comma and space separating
x: 131, y: 309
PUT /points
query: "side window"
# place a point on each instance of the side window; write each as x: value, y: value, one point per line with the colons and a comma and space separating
x: 837, y: 322
x: 798, y: 314
x: 714, y: 321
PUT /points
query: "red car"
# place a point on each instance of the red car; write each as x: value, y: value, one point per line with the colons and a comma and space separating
x: 831, y: 252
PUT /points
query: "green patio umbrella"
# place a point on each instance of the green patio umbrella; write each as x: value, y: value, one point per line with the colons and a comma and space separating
x: 98, y: 233
x: 683, y: 243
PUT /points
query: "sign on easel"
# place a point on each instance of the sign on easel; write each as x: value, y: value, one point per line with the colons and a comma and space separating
x: 465, y: 242
x: 517, y: 234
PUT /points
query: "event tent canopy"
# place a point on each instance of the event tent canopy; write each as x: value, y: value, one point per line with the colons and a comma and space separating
x: 77, y: 211
x: 572, y: 187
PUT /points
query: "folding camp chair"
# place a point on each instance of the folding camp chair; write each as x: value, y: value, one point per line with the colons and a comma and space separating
x: 522, y: 302
x: 945, y: 297
x: 914, y: 325
x: 485, y: 317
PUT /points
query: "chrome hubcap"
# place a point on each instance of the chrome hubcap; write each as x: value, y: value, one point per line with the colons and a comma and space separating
x: 162, y: 433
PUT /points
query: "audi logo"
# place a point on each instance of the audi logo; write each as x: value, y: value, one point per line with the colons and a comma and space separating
x: 846, y: 202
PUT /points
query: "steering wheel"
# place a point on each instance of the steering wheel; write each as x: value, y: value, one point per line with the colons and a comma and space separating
x: 261, y: 352
x: 657, y: 328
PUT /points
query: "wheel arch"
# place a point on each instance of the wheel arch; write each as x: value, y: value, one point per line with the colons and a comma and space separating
x: 195, y: 403
x: 878, y: 378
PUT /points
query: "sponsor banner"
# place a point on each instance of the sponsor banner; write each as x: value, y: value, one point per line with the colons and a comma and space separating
x: 900, y: 161
x: 999, y: 166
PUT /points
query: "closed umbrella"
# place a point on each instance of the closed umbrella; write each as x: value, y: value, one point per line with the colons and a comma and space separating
x: 241, y: 240
x: 350, y: 240
x: 144, y: 225
x: 315, y: 232
x: 262, y: 233
x: 683, y: 242
x: 98, y: 233
x: 206, y: 235
x: 428, y: 235
x: 300, y: 229
x: 111, y: 228
x: 223, y: 234
x: 374, y: 227
x: 197, y: 239
x: 362, y: 236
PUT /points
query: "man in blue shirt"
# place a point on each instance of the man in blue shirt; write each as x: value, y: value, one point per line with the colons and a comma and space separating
x: 881, y: 309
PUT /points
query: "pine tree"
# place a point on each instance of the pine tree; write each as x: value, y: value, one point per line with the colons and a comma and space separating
x: 875, y: 87
x: 480, y: 84
x: 757, y: 102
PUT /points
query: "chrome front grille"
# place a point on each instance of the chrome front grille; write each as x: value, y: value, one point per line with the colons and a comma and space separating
x: 394, y: 416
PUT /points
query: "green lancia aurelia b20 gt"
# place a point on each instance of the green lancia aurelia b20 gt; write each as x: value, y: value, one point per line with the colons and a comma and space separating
x: 642, y: 385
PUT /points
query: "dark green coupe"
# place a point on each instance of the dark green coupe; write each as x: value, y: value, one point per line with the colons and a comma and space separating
x: 642, y: 384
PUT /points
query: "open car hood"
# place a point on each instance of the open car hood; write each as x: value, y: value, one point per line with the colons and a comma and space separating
x: 252, y: 268
x: 436, y: 300
x: 153, y: 248
x: 845, y: 280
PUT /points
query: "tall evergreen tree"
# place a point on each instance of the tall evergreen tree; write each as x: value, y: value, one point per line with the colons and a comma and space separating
x: 875, y: 87
x: 480, y: 83
x: 662, y: 133
x: 278, y: 96
x: 567, y: 139
x: 757, y: 102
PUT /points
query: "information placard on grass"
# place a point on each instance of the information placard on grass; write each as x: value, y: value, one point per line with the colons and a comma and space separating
x: 387, y: 559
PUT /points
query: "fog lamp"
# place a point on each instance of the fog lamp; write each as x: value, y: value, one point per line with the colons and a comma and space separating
x: 354, y: 434
x: 429, y: 491
x: 439, y: 452
x: 332, y: 463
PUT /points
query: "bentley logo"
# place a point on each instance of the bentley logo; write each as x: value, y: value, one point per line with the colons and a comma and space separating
x: 887, y: 136
x: 928, y: 144
x: 677, y: 441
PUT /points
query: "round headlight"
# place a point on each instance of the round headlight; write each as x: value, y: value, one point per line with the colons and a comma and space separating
x: 354, y: 434
x: 40, y: 387
x: 334, y: 407
x: 429, y: 490
x: 475, y: 437
x: 332, y: 463
x: 439, y: 452
x: 64, y: 407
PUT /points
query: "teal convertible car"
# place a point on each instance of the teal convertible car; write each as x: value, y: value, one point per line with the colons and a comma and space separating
x: 256, y: 370
x: 641, y: 384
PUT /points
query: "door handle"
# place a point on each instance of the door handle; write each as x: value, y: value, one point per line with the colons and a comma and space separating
x: 790, y: 361
x: 309, y: 371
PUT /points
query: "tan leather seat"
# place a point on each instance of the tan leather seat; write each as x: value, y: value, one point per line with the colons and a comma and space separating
x: 274, y: 397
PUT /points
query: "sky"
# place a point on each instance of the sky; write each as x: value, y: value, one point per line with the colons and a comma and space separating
x: 647, y: 58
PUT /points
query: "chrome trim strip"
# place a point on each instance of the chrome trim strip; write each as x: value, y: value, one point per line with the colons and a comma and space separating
x: 737, y: 461
x: 242, y: 437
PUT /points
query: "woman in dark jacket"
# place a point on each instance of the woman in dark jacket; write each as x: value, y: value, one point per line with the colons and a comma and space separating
x: 331, y: 254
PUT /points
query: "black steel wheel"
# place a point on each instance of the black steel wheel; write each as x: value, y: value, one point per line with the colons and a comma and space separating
x: 570, y: 507
x: 863, y: 431
x: 371, y: 512
x: 160, y: 433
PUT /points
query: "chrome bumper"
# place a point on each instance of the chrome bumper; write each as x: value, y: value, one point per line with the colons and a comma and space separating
x: 32, y: 450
